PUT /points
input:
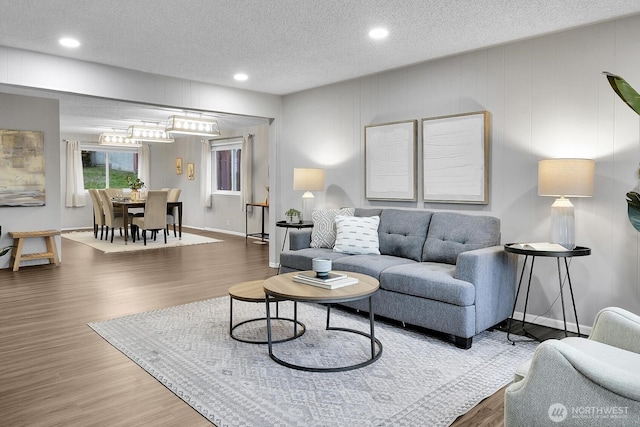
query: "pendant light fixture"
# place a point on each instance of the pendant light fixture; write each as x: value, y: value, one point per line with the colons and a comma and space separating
x: 192, y: 126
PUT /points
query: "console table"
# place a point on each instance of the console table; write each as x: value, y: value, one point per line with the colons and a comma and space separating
x: 263, y: 236
x: 517, y: 248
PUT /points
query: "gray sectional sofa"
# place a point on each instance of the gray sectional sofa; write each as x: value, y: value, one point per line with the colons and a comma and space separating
x: 442, y: 271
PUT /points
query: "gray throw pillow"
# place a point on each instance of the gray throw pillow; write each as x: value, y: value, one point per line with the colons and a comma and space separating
x: 323, y: 234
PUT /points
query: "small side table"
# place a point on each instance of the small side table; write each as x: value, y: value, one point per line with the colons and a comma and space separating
x: 287, y: 225
x: 254, y: 292
x: 515, y: 248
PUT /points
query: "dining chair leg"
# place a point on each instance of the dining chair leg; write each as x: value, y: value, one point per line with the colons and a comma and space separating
x: 165, y: 236
x: 144, y: 237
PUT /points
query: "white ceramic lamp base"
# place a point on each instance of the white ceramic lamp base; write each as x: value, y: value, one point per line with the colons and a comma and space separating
x: 307, y: 205
x: 563, y: 223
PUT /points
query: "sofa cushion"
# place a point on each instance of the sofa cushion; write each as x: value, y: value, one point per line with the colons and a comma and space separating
x: 434, y: 281
x: 357, y: 235
x: 371, y: 265
x: 402, y: 233
x: 323, y: 234
x: 452, y: 233
x: 301, y: 259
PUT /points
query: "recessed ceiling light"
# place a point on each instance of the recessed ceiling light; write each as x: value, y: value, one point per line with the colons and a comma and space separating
x: 240, y: 77
x: 378, y: 33
x: 69, y: 42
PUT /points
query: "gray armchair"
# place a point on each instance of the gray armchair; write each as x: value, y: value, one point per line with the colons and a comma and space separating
x: 580, y: 381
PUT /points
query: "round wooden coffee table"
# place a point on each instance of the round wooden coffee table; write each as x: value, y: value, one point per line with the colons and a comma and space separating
x: 283, y: 288
x: 254, y: 292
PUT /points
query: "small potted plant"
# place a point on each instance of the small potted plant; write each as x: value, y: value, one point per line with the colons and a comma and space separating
x: 293, y: 215
x: 134, y: 185
x: 4, y: 251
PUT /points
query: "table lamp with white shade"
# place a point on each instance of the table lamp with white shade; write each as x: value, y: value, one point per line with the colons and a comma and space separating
x: 565, y: 178
x: 308, y: 180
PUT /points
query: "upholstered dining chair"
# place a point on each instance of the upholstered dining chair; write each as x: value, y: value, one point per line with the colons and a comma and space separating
x: 98, y: 213
x: 172, y: 213
x: 111, y: 220
x: 155, y: 214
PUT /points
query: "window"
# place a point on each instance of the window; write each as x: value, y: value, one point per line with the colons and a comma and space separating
x: 226, y: 160
x: 108, y: 168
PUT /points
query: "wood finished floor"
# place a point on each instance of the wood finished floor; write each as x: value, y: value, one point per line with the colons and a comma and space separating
x: 55, y: 371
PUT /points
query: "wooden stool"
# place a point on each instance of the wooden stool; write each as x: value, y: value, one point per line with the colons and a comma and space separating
x: 254, y: 292
x: 18, y: 242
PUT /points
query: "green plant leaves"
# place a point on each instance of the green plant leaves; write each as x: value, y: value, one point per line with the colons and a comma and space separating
x: 4, y: 251
x: 624, y: 91
x: 633, y: 209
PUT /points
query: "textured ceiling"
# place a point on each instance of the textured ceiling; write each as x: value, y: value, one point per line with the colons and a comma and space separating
x: 284, y: 45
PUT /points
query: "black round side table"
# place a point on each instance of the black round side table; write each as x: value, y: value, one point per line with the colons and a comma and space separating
x: 521, y: 249
x: 287, y: 225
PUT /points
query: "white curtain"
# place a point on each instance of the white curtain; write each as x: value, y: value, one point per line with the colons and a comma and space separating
x: 205, y: 173
x: 75, y: 180
x: 143, y: 165
x: 246, y: 195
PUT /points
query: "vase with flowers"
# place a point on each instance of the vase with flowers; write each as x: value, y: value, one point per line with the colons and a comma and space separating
x: 134, y: 185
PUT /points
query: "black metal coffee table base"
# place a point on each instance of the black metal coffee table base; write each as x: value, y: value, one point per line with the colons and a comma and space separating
x: 299, y: 328
x: 375, y: 355
x: 253, y: 292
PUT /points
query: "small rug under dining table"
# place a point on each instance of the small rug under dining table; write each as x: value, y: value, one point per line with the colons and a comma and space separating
x: 419, y: 380
x: 118, y: 245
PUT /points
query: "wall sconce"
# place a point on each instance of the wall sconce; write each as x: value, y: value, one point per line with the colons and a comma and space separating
x: 308, y: 180
x: 565, y: 178
x: 149, y: 134
x: 192, y: 126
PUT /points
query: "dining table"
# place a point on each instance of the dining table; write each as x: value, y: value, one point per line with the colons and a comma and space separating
x: 124, y: 206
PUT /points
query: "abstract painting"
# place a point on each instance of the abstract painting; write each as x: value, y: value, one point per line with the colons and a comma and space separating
x: 22, y: 179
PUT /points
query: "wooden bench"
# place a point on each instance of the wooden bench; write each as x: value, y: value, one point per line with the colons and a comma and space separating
x: 18, y: 241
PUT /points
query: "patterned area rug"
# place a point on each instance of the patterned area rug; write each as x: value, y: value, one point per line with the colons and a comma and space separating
x: 419, y: 380
x: 86, y: 238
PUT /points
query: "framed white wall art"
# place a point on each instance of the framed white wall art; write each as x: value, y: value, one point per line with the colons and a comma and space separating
x: 455, y: 164
x: 390, y: 161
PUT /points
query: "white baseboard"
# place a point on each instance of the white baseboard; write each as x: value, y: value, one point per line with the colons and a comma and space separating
x: 552, y: 323
x: 218, y: 230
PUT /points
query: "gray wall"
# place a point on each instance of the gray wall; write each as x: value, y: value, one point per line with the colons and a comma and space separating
x: 547, y: 98
x: 36, y: 114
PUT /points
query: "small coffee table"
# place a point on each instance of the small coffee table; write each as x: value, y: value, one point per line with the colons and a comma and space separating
x: 282, y: 287
x: 254, y: 292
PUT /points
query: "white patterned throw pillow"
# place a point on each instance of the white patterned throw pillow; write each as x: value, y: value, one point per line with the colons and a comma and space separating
x: 357, y: 235
x: 323, y: 234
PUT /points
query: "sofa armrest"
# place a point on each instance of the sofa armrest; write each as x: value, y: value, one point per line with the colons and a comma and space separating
x: 300, y: 239
x: 617, y: 327
x: 492, y: 272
